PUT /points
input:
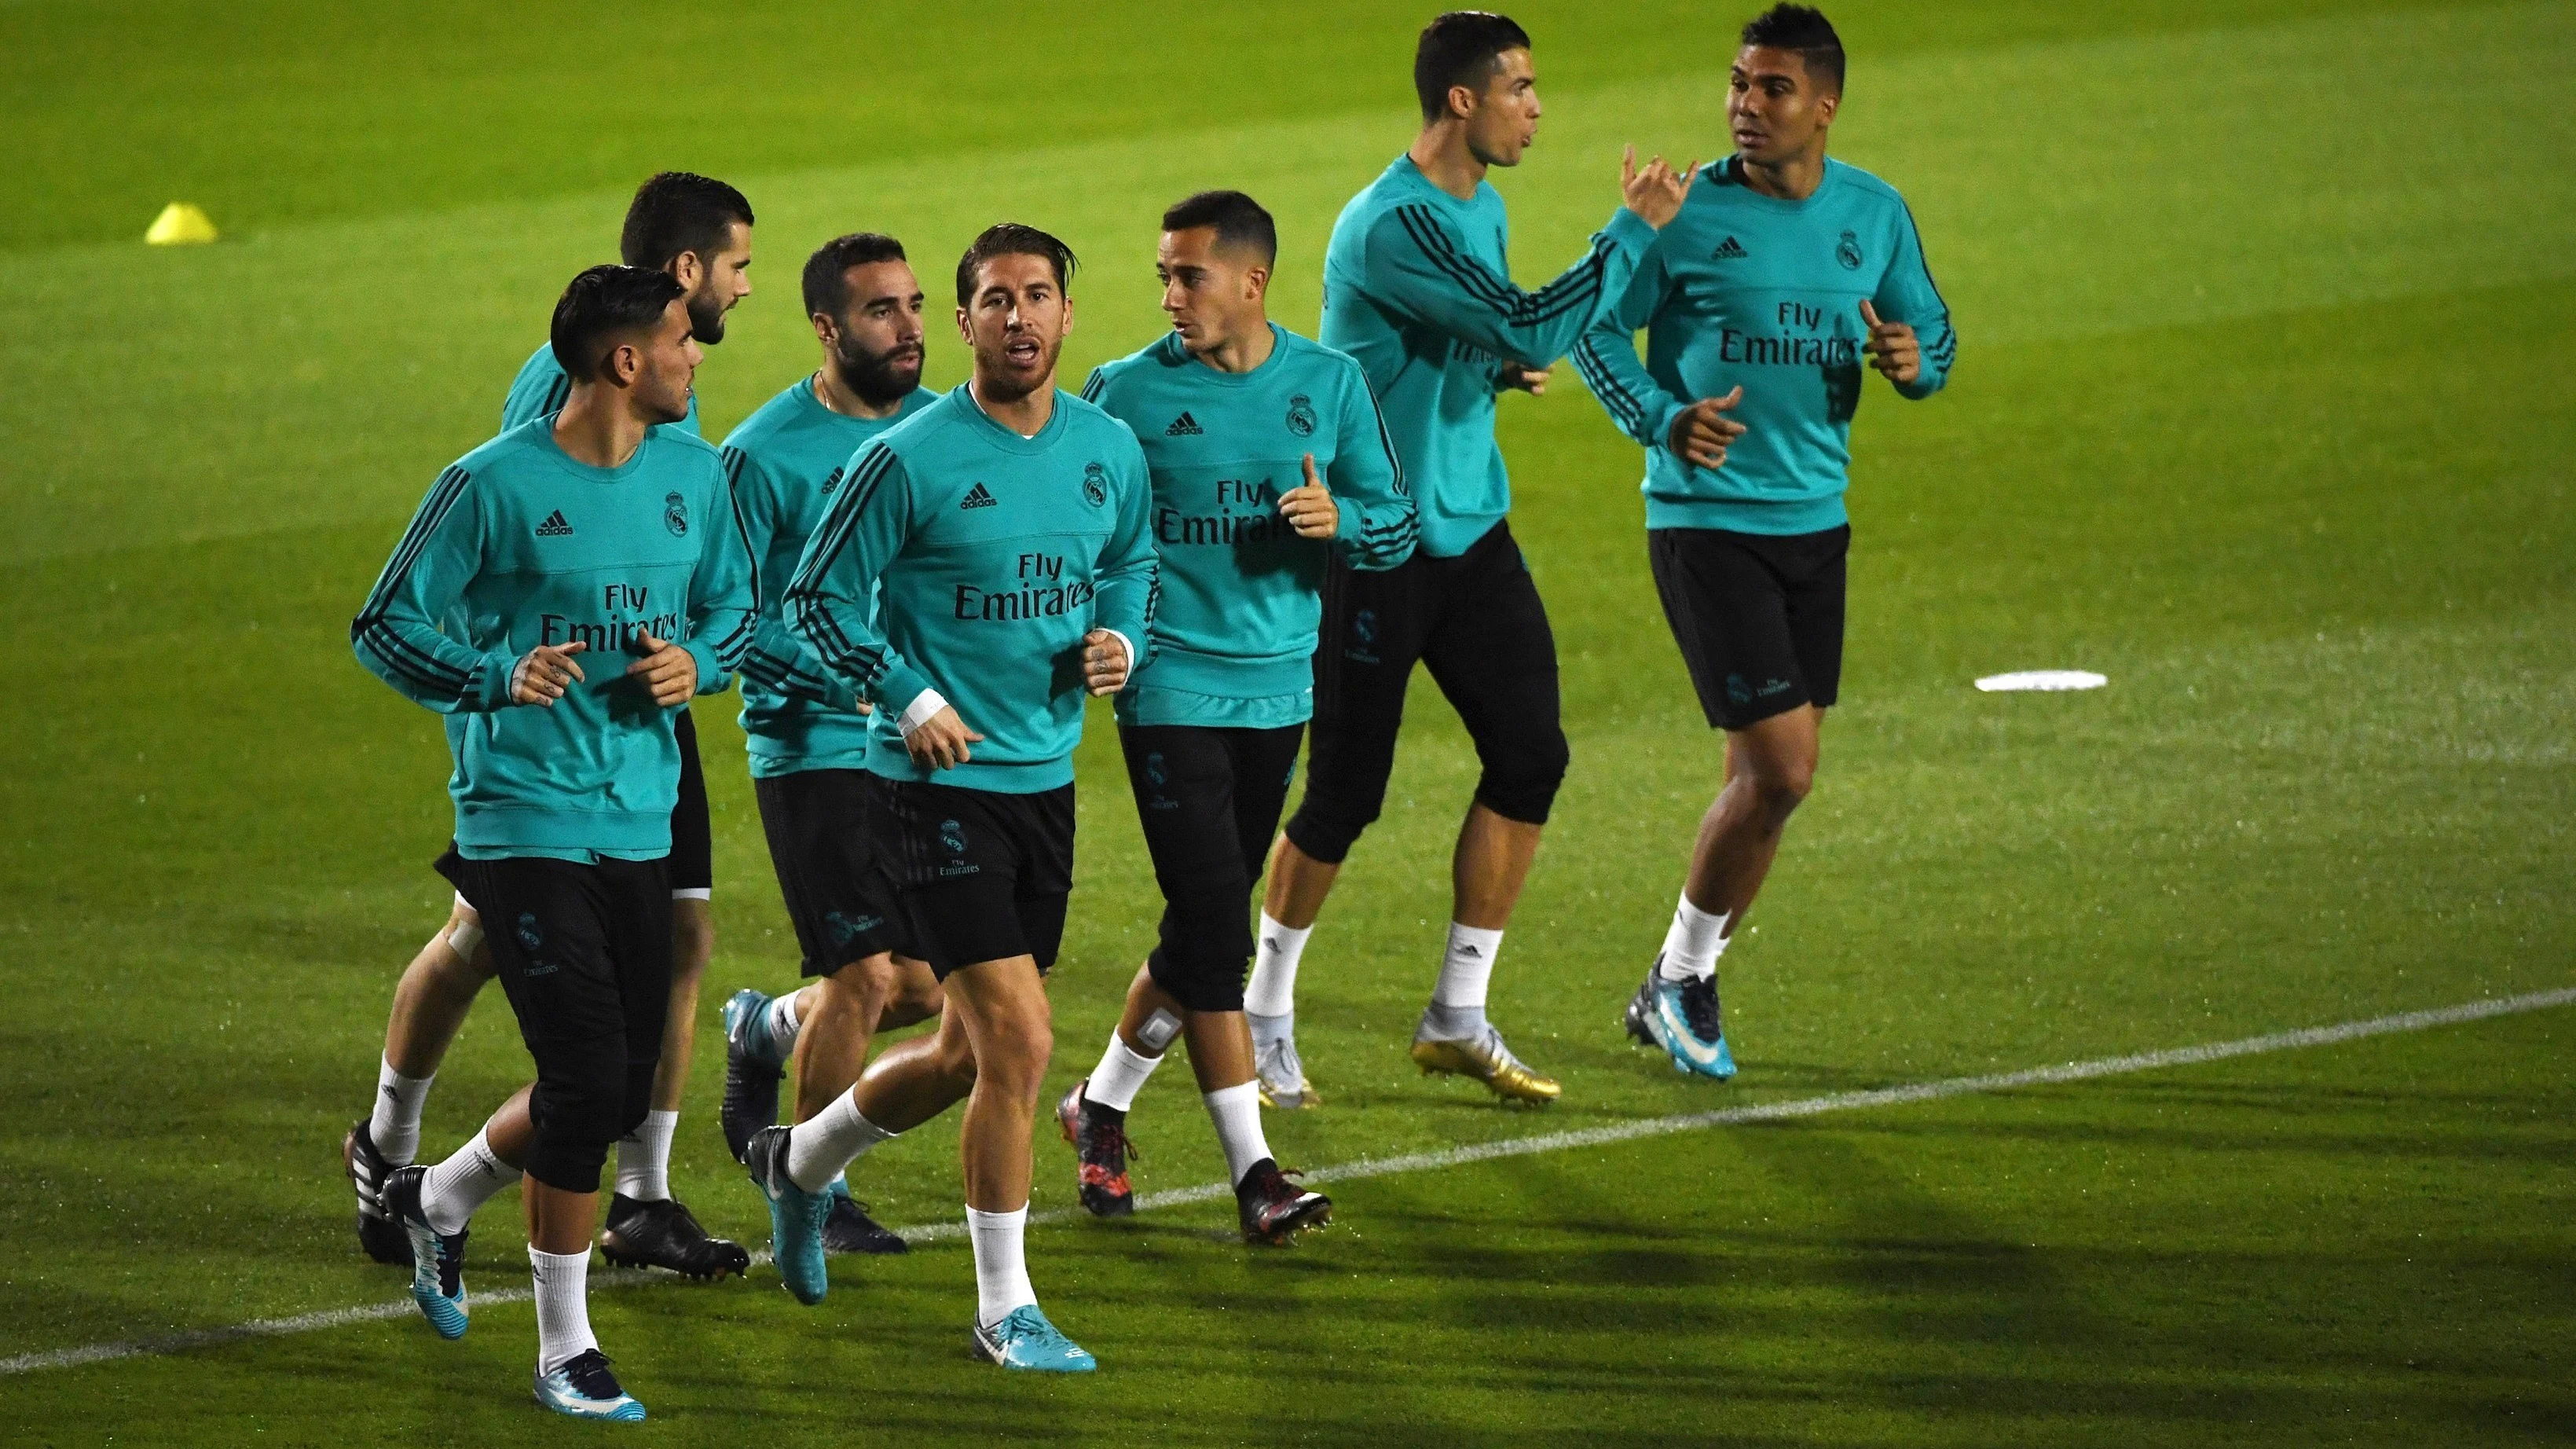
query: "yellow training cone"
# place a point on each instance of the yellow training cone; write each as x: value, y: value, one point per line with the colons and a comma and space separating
x: 179, y: 225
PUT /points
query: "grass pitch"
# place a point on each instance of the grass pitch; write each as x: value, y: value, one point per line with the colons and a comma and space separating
x: 2260, y: 412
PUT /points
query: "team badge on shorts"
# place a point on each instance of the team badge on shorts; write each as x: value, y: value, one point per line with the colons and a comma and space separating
x: 675, y: 515
x: 1095, y: 484
x: 1301, y: 416
x: 530, y: 938
x: 1847, y: 251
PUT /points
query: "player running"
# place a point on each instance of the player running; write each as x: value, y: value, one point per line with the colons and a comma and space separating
x: 806, y: 731
x: 1268, y: 459
x: 985, y: 564
x: 1783, y: 273
x: 699, y: 231
x: 1416, y: 287
x: 538, y: 563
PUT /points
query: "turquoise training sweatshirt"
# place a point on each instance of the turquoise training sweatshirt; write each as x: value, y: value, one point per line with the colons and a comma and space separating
x: 962, y: 557
x: 517, y: 545
x: 786, y: 462
x: 1751, y: 290
x: 1234, y: 630
x: 1417, y: 287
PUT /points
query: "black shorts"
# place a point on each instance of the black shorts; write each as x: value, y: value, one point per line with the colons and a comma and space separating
x: 823, y: 842
x: 693, y: 846
x: 1759, y: 618
x: 979, y: 875
x: 1209, y: 800
x: 584, y: 954
x: 1476, y: 622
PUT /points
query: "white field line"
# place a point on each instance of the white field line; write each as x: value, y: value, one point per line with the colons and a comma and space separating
x: 1448, y: 1157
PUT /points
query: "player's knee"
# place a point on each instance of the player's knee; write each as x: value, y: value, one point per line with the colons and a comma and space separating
x: 1208, y: 977
x: 578, y: 1115
x: 1325, y: 827
x: 1521, y: 777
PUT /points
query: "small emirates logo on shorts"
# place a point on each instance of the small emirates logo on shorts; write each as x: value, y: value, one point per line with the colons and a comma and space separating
x: 1184, y: 426
x: 979, y: 497
x: 554, y: 526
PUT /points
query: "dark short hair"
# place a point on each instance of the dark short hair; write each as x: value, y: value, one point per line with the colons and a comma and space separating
x: 679, y: 211
x: 1460, y: 49
x: 1011, y: 239
x: 1239, y: 220
x: 1804, y: 29
x: 827, y: 272
x: 601, y: 302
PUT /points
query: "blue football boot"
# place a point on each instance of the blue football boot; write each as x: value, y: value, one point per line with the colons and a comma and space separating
x: 795, y: 1216
x: 1683, y: 1018
x: 752, y: 1070
x: 1023, y: 1339
x: 437, y: 1260
x: 585, y: 1389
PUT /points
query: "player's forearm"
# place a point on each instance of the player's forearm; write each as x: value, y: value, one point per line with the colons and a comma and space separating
x: 429, y: 668
x: 1638, y: 405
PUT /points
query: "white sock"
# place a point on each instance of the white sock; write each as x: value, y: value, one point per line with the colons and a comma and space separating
x: 824, y: 1145
x: 783, y: 1025
x: 644, y: 1158
x: 563, y: 1307
x: 451, y: 1191
x: 1693, y: 944
x: 1457, y: 1010
x: 1236, y: 1111
x: 1120, y: 1075
x: 1001, y: 1264
x: 1273, y: 988
x: 395, y: 1125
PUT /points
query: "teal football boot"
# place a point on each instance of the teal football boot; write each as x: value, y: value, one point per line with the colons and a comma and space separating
x: 1023, y: 1339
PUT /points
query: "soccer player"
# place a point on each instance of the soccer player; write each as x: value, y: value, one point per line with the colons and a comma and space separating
x: 1268, y: 459
x: 698, y: 230
x: 1783, y: 274
x: 536, y: 563
x: 807, y: 732
x: 984, y: 565
x: 1416, y: 287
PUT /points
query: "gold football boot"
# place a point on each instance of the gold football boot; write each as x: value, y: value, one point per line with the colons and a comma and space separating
x: 1486, y: 1059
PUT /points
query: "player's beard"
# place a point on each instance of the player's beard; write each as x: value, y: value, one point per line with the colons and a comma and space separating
x: 1048, y: 353
x: 706, y: 318
x: 877, y: 378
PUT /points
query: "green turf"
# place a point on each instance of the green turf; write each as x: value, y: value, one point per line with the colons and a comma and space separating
x: 2259, y: 412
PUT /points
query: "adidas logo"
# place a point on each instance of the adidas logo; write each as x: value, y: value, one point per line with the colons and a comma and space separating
x: 978, y: 497
x: 1471, y: 953
x: 1184, y: 426
x: 1729, y: 250
x: 554, y: 526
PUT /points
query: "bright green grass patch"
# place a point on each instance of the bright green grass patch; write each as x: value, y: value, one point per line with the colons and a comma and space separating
x: 2260, y: 422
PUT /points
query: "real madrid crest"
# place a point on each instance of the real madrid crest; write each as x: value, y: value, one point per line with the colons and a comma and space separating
x: 1095, y: 484
x: 675, y: 515
x: 1847, y: 251
x: 1301, y: 416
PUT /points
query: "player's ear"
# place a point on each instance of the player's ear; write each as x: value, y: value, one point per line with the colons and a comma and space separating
x: 824, y: 328
x: 624, y: 361
x: 1256, y: 283
x: 686, y: 269
x: 965, y: 331
x: 1462, y: 102
x: 1825, y: 108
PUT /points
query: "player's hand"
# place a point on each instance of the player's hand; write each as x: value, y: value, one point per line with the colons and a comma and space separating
x: 1657, y: 192
x: 1891, y: 347
x: 1517, y: 378
x: 1702, y: 430
x: 940, y: 741
x: 543, y: 674
x: 1309, y: 509
x: 667, y: 670
x: 1104, y: 658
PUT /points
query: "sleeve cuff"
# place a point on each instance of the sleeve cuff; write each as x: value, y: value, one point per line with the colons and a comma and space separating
x: 491, y: 687
x: 1629, y: 230
x: 918, y: 713
x: 712, y: 678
